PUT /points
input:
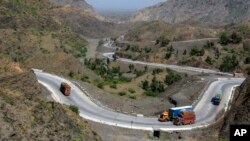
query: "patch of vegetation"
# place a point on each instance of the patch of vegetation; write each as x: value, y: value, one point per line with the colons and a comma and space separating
x: 74, y: 109
x: 248, y: 70
x: 197, y: 52
x: 100, y: 85
x: 131, y: 90
x: 132, y: 97
x: 157, y: 71
x: 162, y: 41
x: 172, y: 78
x: 209, y: 60
x: 229, y: 63
x: 113, y: 85
x: 247, y: 60
x: 153, y: 88
x: 110, y: 75
x: 169, y: 53
x: 209, y: 45
x: 71, y: 74
x: 226, y: 39
x: 122, y: 93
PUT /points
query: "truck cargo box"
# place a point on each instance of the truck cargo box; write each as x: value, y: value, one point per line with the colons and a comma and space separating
x: 65, y: 89
x: 185, y: 117
x: 174, y: 112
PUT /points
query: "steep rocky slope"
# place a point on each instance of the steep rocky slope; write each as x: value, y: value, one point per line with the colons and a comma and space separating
x: 150, y: 31
x: 81, y: 5
x: 26, y: 113
x: 240, y: 108
x: 30, y: 35
x: 82, y: 18
x: 202, y: 12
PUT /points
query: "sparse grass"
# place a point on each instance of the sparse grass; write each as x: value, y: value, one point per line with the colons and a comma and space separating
x: 150, y: 93
x: 49, y: 106
x: 74, y: 109
x: 113, y: 85
x: 132, y: 97
x: 131, y: 90
x: 100, y: 85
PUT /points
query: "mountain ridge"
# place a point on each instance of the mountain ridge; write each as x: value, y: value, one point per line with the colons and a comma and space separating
x: 206, y: 12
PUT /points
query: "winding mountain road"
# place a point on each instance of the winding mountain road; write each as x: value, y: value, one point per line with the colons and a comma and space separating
x: 206, y: 112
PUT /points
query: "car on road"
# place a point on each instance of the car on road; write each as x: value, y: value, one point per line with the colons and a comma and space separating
x: 217, y: 98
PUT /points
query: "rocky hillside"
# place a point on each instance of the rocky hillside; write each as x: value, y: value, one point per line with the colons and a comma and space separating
x: 240, y: 109
x: 82, y: 18
x: 150, y: 31
x: 202, y: 12
x: 81, y: 5
x: 26, y: 113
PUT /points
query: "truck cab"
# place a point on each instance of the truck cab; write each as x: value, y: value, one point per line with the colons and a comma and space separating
x: 216, y: 100
x: 164, y: 117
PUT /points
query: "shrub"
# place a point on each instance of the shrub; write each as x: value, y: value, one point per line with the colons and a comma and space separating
x: 235, y: 38
x: 113, y: 85
x: 172, y: 78
x: 71, y: 74
x: 209, y: 45
x: 157, y: 71
x: 150, y: 93
x: 122, y: 93
x: 131, y: 90
x: 209, y: 60
x: 74, y: 109
x: 162, y: 41
x: 124, y: 79
x: 132, y: 97
x: 145, y: 84
x: 224, y: 38
x: 247, y: 60
x: 185, y: 52
x: 228, y: 63
x: 100, y: 85
x: 197, y: 52
x: 248, y: 70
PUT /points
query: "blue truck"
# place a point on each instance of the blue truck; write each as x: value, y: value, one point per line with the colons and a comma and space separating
x: 217, y: 98
x: 174, y: 112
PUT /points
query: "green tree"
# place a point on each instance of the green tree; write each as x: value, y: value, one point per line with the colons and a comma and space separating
x: 236, y: 39
x: 197, y: 52
x: 224, y: 38
x: 209, y: 60
x: 172, y: 78
x: 229, y: 63
x: 74, y: 109
x: 145, y: 84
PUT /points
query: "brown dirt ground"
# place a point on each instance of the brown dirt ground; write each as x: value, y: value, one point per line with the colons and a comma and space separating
x: 182, y: 92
